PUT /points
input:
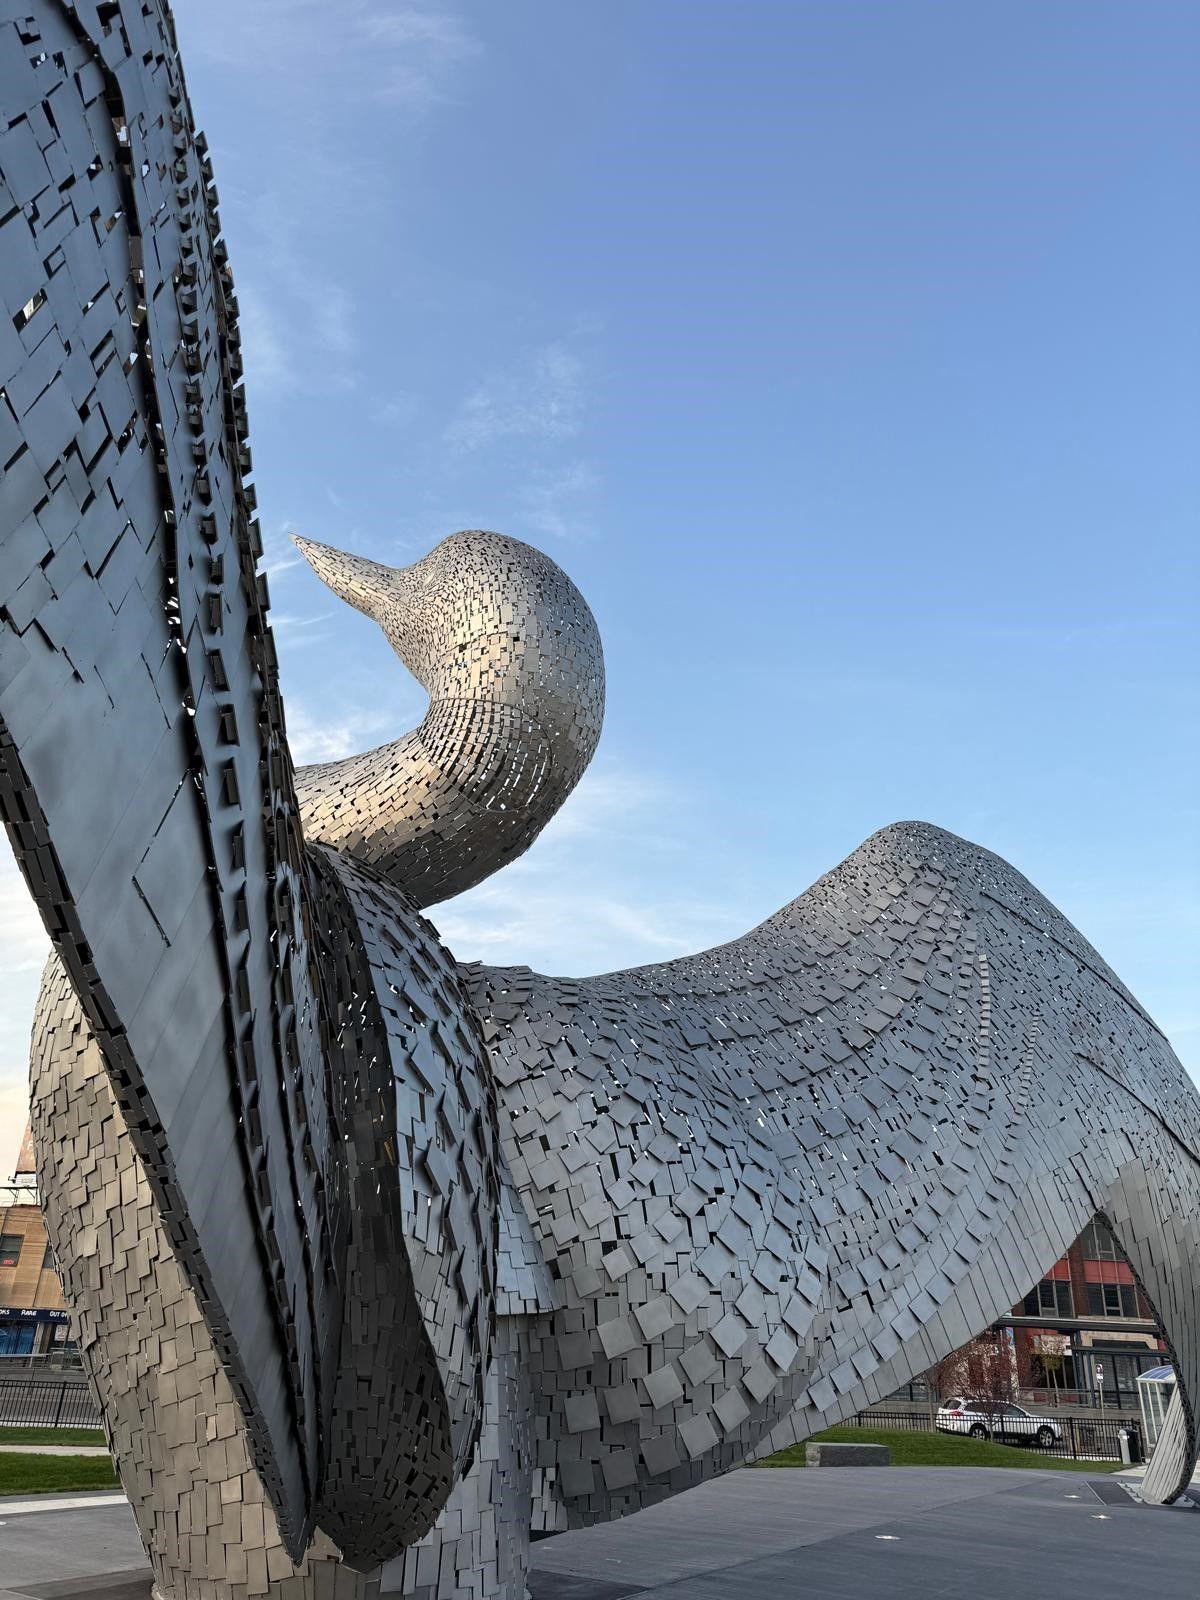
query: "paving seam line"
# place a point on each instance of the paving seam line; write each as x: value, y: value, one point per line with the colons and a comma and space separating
x: 783, y: 1550
x: 25, y: 1508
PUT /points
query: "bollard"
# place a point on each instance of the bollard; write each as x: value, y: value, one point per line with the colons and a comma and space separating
x: 1123, y: 1442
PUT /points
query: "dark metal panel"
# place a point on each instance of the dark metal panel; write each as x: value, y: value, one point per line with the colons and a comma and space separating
x: 148, y: 797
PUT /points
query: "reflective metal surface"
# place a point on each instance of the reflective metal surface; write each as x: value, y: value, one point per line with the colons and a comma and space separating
x: 510, y: 654
x: 377, y: 1263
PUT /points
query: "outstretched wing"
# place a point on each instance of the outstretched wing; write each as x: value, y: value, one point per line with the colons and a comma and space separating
x: 144, y: 775
x: 777, y: 1180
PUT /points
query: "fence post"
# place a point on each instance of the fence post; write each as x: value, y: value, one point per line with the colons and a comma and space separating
x: 62, y: 1395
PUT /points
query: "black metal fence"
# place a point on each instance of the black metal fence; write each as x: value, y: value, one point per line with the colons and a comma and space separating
x: 49, y: 1402
x: 46, y: 1402
x: 1076, y: 1438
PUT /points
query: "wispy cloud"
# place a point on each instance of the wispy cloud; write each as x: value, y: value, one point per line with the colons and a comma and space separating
x: 23, y: 951
x: 291, y: 201
x: 314, y: 738
x: 397, y: 412
x: 574, y: 934
x: 404, y: 54
x: 582, y: 900
x: 279, y: 552
x: 23, y: 942
x: 541, y: 398
x: 557, y: 501
x: 613, y: 802
x: 423, y: 44
x: 297, y: 324
x: 307, y: 630
x: 265, y: 341
x: 14, y: 1113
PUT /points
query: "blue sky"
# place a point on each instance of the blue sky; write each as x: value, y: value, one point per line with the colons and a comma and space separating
x: 847, y: 357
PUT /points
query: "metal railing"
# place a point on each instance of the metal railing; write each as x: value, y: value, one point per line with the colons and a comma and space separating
x: 1114, y: 1398
x: 45, y: 1402
x: 1077, y: 1439
x: 59, y: 1359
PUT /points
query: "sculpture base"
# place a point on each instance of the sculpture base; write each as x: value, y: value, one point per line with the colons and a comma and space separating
x: 479, y: 1549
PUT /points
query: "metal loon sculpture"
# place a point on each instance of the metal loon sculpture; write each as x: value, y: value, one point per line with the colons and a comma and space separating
x: 379, y: 1263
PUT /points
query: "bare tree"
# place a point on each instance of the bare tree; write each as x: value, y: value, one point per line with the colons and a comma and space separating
x: 941, y: 1380
x: 981, y: 1372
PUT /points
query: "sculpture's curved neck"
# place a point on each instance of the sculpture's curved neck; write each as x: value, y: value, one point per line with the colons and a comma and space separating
x: 510, y: 655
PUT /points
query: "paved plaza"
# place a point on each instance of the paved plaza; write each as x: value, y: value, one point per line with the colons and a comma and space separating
x: 852, y: 1534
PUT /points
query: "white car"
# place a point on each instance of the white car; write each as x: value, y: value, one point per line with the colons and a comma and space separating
x: 1001, y: 1422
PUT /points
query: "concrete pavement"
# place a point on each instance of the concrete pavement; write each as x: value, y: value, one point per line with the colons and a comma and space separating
x: 54, y: 1449
x: 59, y: 1546
x: 907, y: 1533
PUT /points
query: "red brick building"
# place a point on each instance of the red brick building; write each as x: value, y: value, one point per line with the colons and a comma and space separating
x: 1086, y: 1316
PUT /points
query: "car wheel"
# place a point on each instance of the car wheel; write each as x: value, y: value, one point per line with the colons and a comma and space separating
x: 1045, y: 1437
x: 978, y: 1431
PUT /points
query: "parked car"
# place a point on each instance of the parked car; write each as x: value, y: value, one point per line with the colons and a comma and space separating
x: 1006, y: 1423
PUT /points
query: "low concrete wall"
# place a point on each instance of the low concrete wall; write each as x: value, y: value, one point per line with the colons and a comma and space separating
x: 847, y: 1455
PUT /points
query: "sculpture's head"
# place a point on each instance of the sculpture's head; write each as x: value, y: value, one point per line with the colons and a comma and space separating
x: 511, y: 657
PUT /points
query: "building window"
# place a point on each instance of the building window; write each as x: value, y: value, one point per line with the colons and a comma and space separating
x: 16, y: 1339
x: 1051, y: 1298
x: 48, y: 1259
x: 1112, y: 1300
x: 10, y: 1248
x: 1099, y: 1244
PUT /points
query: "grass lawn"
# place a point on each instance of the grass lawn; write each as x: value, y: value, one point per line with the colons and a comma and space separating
x: 22, y: 1474
x: 912, y: 1449
x: 88, y: 1436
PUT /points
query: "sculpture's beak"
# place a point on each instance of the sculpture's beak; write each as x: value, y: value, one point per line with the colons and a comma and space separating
x: 365, y: 585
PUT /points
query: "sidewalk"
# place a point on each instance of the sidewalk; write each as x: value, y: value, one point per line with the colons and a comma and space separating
x: 1134, y: 1475
x: 54, y: 1449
